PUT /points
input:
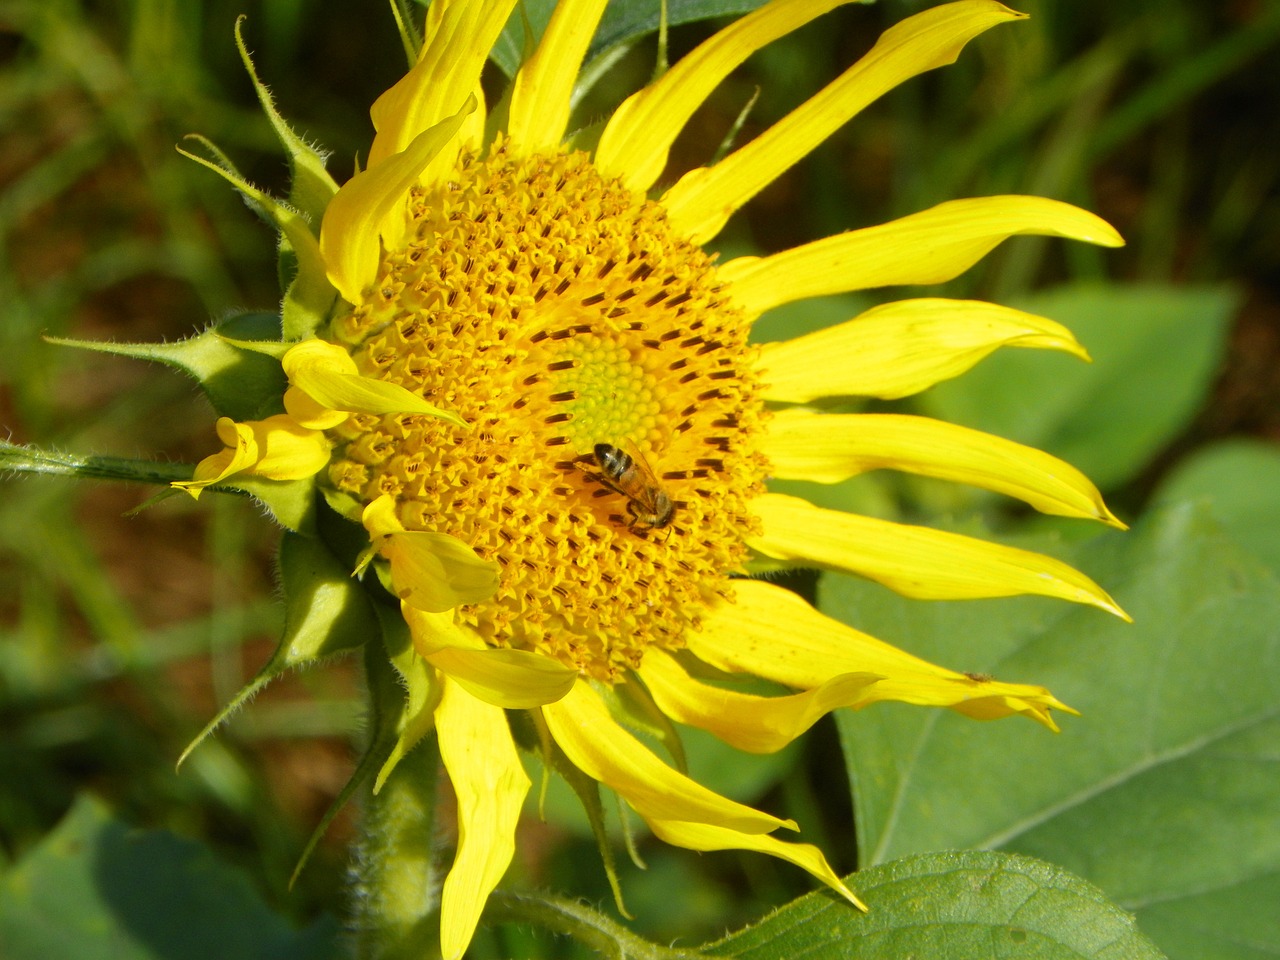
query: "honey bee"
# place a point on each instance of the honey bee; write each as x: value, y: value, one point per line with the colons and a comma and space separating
x: 649, y: 505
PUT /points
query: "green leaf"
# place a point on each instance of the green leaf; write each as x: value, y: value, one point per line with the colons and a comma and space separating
x: 1242, y: 480
x: 622, y: 22
x: 963, y: 904
x: 97, y: 888
x: 625, y: 21
x: 1156, y: 350
x: 241, y: 384
x: 1164, y: 792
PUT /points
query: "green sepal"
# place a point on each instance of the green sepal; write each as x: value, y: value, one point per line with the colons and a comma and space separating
x: 291, y: 503
x: 241, y: 384
x: 382, y: 684
x: 418, y: 691
x: 310, y: 296
x: 631, y: 705
x: 530, y: 733
x: 343, y: 504
x: 410, y: 37
x: 275, y: 349
x: 311, y: 188
x: 326, y: 614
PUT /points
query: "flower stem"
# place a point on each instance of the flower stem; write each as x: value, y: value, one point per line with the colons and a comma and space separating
x: 32, y: 460
x: 607, y: 937
x: 397, y: 882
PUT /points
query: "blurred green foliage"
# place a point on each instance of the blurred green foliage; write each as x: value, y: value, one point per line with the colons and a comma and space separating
x: 121, y: 633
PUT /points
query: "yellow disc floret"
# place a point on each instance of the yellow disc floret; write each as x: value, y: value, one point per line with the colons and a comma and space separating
x: 555, y: 311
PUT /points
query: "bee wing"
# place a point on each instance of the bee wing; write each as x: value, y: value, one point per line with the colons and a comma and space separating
x: 643, y: 465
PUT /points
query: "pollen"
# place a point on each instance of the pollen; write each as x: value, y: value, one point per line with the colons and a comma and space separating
x: 555, y: 310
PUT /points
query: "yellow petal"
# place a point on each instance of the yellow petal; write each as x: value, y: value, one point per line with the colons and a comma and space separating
x: 311, y: 413
x: 638, y: 137
x: 286, y: 450
x: 752, y: 723
x: 276, y: 448
x: 540, y: 93
x: 512, y: 679
x: 914, y: 561
x: 380, y: 518
x: 437, y: 572
x: 326, y: 373
x: 240, y: 452
x: 605, y: 751
x: 770, y: 632
x: 901, y: 348
x: 490, y: 784
x: 350, y: 236
x: 702, y: 836
x: 828, y: 448
x: 927, y: 247
x: 447, y: 72
x: 431, y: 571
x: 471, y: 136
x: 702, y: 200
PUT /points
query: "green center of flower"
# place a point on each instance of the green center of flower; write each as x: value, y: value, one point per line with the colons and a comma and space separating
x: 614, y: 397
x: 555, y: 312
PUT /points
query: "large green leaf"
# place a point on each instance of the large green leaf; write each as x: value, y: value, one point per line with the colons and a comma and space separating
x: 1165, y: 792
x: 97, y: 888
x: 1242, y: 480
x: 1155, y: 352
x: 623, y: 20
x: 967, y: 904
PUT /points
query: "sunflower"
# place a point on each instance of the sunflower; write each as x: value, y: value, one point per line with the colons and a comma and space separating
x: 512, y: 363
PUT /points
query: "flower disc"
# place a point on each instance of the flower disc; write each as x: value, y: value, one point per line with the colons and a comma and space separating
x: 554, y: 310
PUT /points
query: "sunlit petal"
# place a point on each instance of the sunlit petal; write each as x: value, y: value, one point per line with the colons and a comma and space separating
x: 490, y: 785
x: 932, y: 246
x: 240, y: 452
x: 770, y: 632
x: 431, y: 571
x: 350, y: 236
x: 915, y: 561
x: 828, y: 448
x: 749, y: 722
x: 512, y: 679
x: 446, y: 74
x: 701, y: 202
x: 540, y: 92
x: 901, y: 348
x: 637, y: 138
x: 603, y: 750
x: 706, y: 837
x: 286, y: 450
